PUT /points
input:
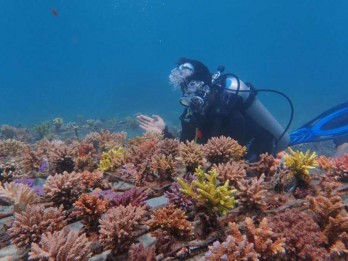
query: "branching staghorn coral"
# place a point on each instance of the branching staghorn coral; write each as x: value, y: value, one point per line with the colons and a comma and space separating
x: 299, y: 165
x: 63, y: 245
x: 10, y: 147
x: 177, y: 198
x: 112, y: 159
x: 335, y: 233
x: 135, y: 197
x: 64, y: 188
x: 258, y: 243
x: 266, y: 165
x: 325, y: 207
x: 90, y: 208
x: 207, y: 191
x: 30, y: 224
x: 62, y: 156
x: 336, y: 167
x: 302, y: 235
x: 169, y: 226
x: 223, y: 149
x: 191, y: 155
x: 169, y: 147
x: 30, y: 160
x: 138, y: 167
x: 92, y: 179
x: 252, y: 194
x: 233, y: 171
x: 172, y: 221
x: 20, y: 195
x: 120, y: 226
x: 105, y: 140
x: 164, y: 167
x: 86, y: 158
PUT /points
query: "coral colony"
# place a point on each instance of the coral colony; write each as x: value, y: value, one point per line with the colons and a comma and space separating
x: 97, y: 195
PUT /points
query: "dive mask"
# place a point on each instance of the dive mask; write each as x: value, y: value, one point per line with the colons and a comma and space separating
x: 194, y: 95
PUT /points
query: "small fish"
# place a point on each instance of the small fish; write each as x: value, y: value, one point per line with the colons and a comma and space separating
x: 54, y: 12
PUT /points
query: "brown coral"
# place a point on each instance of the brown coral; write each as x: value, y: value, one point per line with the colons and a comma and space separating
x: 10, y: 147
x: 172, y: 220
x: 164, y: 167
x: 252, y: 194
x: 266, y: 165
x: 325, y: 207
x: 64, y: 188
x: 337, y: 167
x: 92, y: 179
x: 191, y: 155
x: 30, y: 224
x: 90, y: 208
x: 234, y: 171
x: 62, y: 245
x: 120, y: 226
x: 169, y: 147
x: 19, y: 195
x: 61, y: 155
x: 223, y: 149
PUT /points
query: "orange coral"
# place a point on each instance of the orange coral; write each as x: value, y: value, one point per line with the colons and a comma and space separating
x: 120, y: 226
x: 223, y: 149
x: 337, y: 167
x: 90, y: 208
x: 62, y: 245
x: 30, y: 224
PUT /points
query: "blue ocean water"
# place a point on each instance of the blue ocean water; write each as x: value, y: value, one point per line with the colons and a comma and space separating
x: 111, y: 58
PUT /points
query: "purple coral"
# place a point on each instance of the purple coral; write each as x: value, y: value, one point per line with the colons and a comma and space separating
x: 177, y: 198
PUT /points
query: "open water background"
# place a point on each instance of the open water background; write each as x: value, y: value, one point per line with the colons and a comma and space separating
x: 111, y: 58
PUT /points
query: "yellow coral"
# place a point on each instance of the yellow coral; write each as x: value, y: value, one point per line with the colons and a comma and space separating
x: 206, y: 190
x: 299, y: 164
x: 112, y: 159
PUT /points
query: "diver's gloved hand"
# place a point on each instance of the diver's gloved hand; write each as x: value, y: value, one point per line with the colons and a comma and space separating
x: 151, y: 124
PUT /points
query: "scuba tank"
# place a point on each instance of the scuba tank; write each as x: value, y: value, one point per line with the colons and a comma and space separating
x: 232, y: 87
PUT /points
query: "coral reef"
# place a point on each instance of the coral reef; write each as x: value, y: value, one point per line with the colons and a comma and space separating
x: 61, y: 245
x: 223, y: 149
x: 32, y: 223
x: 277, y: 208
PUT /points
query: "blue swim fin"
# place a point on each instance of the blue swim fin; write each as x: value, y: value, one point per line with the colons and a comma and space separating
x: 329, y: 125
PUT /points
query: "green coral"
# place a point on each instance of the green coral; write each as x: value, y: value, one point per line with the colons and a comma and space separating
x: 300, y: 164
x: 207, y: 190
x: 112, y: 159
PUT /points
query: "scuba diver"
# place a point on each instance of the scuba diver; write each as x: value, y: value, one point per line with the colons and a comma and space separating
x: 220, y: 104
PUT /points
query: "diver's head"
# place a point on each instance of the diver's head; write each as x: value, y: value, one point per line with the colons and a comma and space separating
x: 194, y: 79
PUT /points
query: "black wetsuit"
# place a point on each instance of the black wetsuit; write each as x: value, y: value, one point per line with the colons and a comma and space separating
x: 234, y: 123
